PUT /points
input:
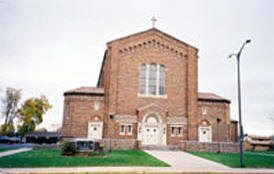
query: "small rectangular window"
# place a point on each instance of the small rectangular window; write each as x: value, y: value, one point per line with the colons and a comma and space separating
x: 96, y: 106
x: 173, y: 131
x: 122, y: 130
x: 203, y: 110
x: 180, y: 132
x: 129, y: 129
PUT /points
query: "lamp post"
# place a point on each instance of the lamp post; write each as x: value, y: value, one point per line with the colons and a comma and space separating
x: 238, y: 55
x: 111, y: 117
x: 218, y: 134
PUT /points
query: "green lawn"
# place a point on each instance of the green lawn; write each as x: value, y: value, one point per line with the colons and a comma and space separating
x: 4, y: 149
x: 52, y: 158
x: 233, y: 160
x: 261, y: 151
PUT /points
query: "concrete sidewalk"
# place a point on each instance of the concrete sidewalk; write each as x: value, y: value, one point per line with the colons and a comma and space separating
x: 11, y: 152
x: 129, y: 170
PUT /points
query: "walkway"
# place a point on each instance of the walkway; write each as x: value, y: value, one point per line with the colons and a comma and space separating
x: 11, y: 152
x: 181, y: 160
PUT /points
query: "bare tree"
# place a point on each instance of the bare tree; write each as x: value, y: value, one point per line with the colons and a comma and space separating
x: 10, y: 108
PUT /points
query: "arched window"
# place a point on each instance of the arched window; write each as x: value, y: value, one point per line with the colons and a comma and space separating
x: 162, y: 80
x: 152, y: 78
x: 143, y: 79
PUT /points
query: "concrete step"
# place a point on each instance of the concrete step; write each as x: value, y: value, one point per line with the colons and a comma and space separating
x: 160, y: 147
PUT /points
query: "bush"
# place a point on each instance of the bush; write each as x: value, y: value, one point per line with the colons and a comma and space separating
x: 68, y: 148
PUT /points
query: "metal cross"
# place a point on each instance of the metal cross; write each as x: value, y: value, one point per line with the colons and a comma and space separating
x: 153, y: 21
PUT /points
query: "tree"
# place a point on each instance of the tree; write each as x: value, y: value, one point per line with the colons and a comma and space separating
x: 31, y: 114
x: 10, y: 107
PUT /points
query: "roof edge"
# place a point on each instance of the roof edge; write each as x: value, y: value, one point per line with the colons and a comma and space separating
x: 102, y: 67
x: 152, y: 29
x: 214, y: 100
x: 83, y: 93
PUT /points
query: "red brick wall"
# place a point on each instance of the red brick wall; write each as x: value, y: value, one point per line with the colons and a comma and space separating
x: 81, y: 111
x: 175, y: 140
x: 234, y: 131
x: 215, y: 110
x: 225, y: 147
x: 122, y: 77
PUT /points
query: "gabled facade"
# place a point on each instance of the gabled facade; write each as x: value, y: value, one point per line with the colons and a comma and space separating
x: 147, y: 94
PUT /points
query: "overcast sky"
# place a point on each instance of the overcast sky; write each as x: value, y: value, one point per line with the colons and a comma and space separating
x: 48, y: 47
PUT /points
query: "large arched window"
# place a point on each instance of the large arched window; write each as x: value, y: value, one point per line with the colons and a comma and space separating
x: 143, y: 79
x: 152, y: 79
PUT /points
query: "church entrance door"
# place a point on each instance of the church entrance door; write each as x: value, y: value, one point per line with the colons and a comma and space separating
x: 95, y: 130
x: 205, y: 134
x: 151, y: 130
x: 151, y: 136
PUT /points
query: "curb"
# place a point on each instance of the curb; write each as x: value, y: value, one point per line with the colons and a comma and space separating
x: 140, y: 172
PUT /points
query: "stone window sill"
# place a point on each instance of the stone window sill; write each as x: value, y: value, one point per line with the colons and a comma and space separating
x: 151, y: 96
x: 122, y: 133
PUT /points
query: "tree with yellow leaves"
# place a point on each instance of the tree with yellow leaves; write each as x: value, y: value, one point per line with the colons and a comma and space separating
x: 31, y: 114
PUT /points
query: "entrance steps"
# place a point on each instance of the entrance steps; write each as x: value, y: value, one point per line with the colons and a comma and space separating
x: 161, y: 147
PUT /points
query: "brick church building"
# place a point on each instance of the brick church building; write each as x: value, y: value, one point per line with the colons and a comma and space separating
x: 147, y: 95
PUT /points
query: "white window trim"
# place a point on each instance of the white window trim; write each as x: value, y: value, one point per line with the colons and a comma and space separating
x: 124, y: 132
x: 152, y: 96
x: 147, y: 94
x: 96, y: 106
x: 176, y: 127
x: 126, y: 129
x: 204, y: 110
x: 129, y: 133
x: 173, y: 134
x: 180, y: 134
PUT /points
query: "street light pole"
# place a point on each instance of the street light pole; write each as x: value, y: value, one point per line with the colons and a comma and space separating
x: 111, y: 117
x: 218, y: 134
x: 238, y: 55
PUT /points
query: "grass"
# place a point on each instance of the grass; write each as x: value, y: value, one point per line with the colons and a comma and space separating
x: 261, y: 151
x: 5, y: 149
x: 233, y: 160
x: 52, y: 158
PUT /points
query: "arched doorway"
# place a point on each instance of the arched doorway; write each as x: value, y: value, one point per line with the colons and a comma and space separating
x: 153, y: 130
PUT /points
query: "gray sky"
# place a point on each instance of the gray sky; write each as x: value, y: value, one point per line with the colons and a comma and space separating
x: 48, y: 47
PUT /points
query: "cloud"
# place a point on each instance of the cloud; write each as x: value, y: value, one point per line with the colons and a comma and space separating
x: 48, y: 47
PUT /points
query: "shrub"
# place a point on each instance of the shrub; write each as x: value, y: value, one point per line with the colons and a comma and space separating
x: 68, y: 148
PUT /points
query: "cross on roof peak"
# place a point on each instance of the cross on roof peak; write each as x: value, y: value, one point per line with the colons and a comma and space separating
x: 153, y: 21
